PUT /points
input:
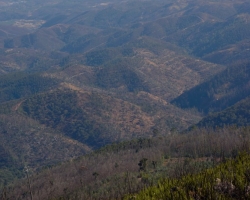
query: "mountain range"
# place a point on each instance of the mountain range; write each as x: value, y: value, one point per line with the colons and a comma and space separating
x: 76, y: 76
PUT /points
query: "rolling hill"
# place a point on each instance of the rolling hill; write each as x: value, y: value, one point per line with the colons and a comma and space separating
x: 122, y: 169
x: 222, y: 91
x: 78, y: 75
x: 237, y: 115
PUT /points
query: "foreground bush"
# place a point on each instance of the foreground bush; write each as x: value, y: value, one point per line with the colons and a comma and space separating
x: 229, y: 180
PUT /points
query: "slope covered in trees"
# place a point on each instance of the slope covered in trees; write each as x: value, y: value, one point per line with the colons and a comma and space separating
x: 90, y: 118
x: 128, y: 167
x: 20, y: 85
x: 222, y: 91
x: 77, y: 75
x: 24, y: 142
x: 229, y: 180
x: 237, y: 115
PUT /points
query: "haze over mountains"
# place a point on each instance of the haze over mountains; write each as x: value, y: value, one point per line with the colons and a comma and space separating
x: 77, y: 75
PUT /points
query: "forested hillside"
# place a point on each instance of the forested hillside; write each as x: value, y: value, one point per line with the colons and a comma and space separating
x: 124, y: 168
x: 237, y: 115
x: 220, y: 92
x: 76, y: 76
x: 215, y: 183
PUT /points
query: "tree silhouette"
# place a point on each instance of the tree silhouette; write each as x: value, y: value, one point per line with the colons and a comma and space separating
x: 95, y: 174
x: 143, y: 164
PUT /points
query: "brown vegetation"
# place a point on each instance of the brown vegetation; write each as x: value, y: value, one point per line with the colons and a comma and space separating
x: 128, y: 167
